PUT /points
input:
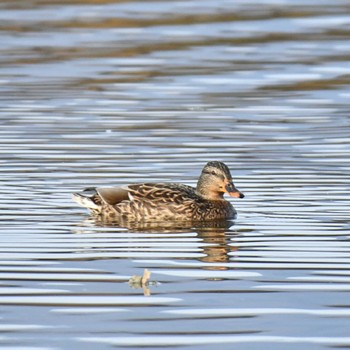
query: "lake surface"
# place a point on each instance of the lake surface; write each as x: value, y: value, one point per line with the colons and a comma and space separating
x: 101, y: 93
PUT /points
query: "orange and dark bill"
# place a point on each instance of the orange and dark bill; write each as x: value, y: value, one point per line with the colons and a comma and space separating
x: 232, y: 191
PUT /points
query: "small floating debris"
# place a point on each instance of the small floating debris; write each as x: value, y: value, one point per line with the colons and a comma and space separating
x: 143, y: 281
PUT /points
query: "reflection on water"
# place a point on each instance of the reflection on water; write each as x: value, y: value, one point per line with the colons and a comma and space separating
x: 159, y: 226
x: 105, y: 93
x: 214, y: 235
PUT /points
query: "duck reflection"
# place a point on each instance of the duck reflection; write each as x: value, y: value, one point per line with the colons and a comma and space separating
x: 216, y: 235
x: 218, y: 246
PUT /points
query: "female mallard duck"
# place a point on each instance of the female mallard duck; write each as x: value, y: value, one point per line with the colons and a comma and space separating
x: 166, y: 201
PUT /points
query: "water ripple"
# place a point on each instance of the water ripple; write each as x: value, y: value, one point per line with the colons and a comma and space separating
x: 107, y: 93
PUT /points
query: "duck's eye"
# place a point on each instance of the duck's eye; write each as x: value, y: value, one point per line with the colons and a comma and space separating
x: 208, y: 172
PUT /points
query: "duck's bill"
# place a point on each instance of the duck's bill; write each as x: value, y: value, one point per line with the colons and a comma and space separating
x: 233, y: 192
x: 236, y: 194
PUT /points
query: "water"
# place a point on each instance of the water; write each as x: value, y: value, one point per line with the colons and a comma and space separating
x: 107, y: 93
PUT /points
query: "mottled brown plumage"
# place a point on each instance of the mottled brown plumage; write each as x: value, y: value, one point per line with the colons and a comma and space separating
x: 166, y: 201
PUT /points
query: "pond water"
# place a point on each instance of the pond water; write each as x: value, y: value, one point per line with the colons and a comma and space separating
x: 101, y: 93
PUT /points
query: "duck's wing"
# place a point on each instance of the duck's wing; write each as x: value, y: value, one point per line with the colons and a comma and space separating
x: 161, y: 193
x: 113, y: 195
x: 151, y: 201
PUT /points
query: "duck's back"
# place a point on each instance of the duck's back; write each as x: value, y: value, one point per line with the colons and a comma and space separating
x: 158, y: 202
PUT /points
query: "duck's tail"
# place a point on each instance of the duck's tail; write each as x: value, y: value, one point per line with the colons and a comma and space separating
x: 89, y: 198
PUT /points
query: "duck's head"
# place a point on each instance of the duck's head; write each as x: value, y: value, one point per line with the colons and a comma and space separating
x: 215, y: 181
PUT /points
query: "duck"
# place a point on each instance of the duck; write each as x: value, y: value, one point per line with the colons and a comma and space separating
x: 143, y: 202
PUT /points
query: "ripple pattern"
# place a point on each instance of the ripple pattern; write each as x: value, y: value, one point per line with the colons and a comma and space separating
x: 104, y: 93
